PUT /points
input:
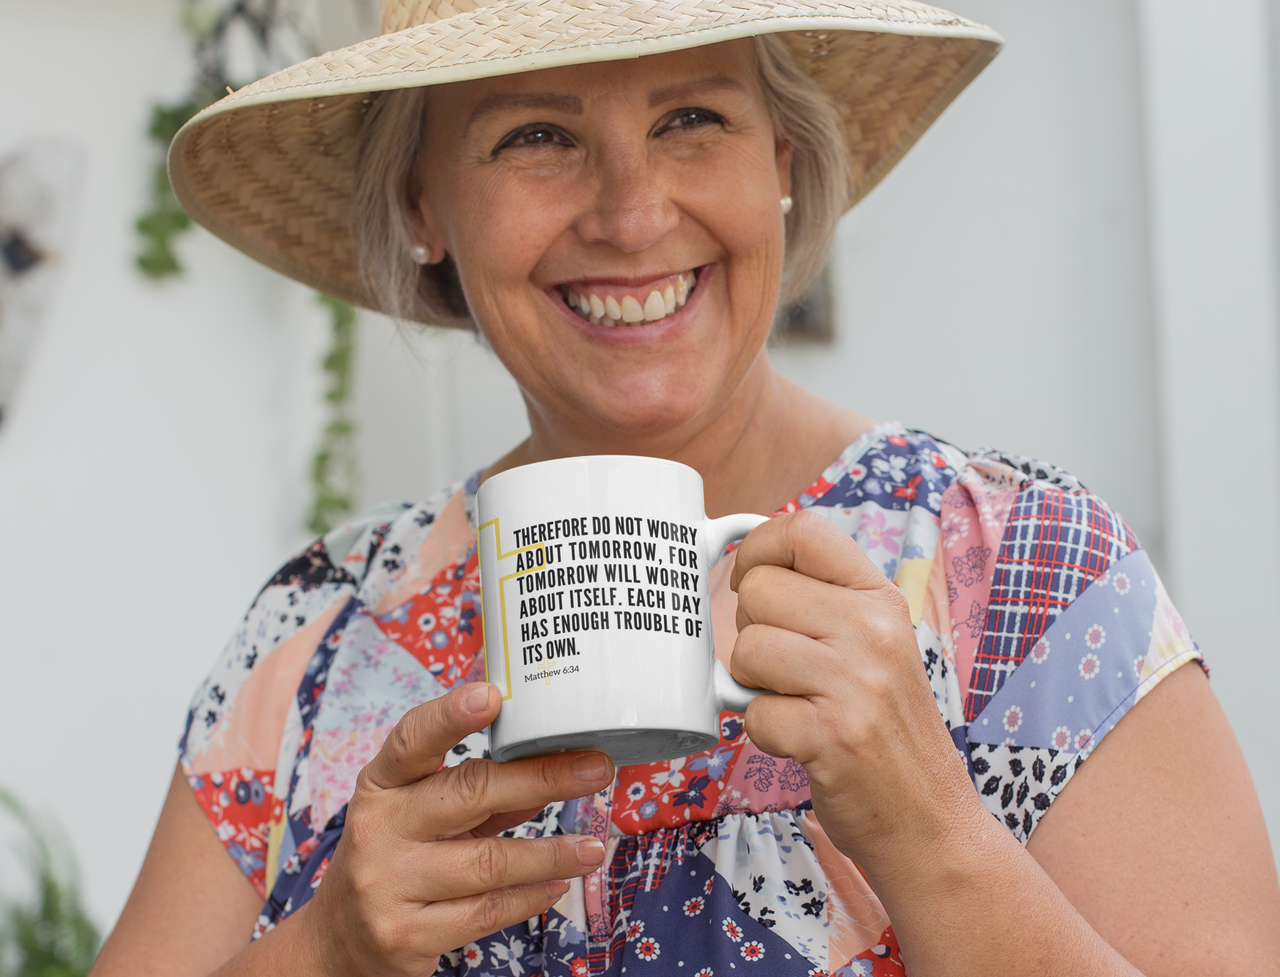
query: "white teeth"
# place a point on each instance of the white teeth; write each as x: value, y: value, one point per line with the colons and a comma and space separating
x: 631, y: 310
x: 654, y: 307
x: 611, y: 311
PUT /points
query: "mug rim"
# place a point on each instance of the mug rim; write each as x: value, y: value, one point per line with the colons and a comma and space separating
x: 555, y: 461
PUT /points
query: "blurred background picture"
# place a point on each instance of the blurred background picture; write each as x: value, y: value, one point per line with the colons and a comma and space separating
x: 1094, y: 224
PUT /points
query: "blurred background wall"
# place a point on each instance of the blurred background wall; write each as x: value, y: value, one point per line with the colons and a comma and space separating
x: 1078, y: 262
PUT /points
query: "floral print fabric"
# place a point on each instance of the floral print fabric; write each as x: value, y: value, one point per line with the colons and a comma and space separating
x: 1040, y: 622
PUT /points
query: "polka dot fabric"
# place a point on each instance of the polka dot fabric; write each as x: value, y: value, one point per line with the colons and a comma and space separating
x: 1040, y: 622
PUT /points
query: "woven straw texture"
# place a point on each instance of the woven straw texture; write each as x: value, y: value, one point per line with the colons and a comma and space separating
x: 271, y: 168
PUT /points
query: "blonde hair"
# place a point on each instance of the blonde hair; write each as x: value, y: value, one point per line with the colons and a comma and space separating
x: 391, y: 139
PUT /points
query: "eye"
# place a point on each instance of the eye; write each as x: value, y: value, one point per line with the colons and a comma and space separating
x: 687, y: 119
x: 536, y: 135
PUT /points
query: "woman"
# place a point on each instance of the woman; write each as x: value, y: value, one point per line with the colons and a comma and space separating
x: 545, y: 169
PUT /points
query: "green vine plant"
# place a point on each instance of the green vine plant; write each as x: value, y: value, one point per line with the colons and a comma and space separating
x: 277, y: 39
x: 49, y: 935
x: 334, y: 470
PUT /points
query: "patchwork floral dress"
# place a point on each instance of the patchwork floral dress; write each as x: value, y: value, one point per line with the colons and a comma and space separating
x: 1040, y: 623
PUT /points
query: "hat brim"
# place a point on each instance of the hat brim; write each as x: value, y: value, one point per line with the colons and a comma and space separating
x: 270, y: 169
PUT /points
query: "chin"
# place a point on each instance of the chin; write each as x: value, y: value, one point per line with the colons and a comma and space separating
x: 652, y: 417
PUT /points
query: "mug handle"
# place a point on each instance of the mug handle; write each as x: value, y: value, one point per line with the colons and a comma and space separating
x: 730, y: 694
x: 728, y: 529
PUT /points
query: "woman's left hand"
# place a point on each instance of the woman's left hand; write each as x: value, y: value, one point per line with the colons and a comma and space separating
x: 820, y: 624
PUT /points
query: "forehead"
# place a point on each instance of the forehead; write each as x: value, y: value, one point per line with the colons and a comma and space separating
x: 728, y: 66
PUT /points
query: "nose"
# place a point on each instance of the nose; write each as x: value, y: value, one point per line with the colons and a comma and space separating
x: 632, y: 209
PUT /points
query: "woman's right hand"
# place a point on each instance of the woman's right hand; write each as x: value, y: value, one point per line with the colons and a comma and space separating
x: 418, y: 870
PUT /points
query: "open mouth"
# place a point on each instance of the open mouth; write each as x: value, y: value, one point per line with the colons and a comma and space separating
x: 621, y: 305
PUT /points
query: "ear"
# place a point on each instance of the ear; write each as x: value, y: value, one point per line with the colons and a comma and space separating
x: 782, y: 151
x: 421, y: 222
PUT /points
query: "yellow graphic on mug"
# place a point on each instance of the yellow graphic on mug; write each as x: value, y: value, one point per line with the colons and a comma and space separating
x: 489, y: 549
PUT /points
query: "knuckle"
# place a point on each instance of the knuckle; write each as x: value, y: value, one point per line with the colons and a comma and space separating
x: 846, y: 734
x: 364, y: 785
x: 490, y: 862
x: 365, y: 883
x: 491, y: 910
x: 746, y: 643
x: 551, y: 771
x: 880, y: 630
x: 472, y: 781
x: 879, y: 684
x: 752, y: 647
x: 804, y: 527
x: 897, y: 601
x: 768, y: 726
x: 399, y: 742
x: 388, y: 931
x: 757, y: 718
x: 752, y: 584
x: 362, y: 828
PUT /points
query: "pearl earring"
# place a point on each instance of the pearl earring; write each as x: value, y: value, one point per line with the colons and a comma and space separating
x: 786, y: 205
x: 421, y: 254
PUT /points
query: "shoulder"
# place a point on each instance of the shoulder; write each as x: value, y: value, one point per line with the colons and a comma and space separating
x: 1059, y: 624
x: 1020, y: 529
x: 889, y: 466
x: 1040, y: 618
x: 251, y: 714
x: 288, y: 618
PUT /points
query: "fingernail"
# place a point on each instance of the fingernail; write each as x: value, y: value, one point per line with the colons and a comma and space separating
x: 477, y: 700
x: 591, y: 766
x: 590, y: 851
x: 558, y: 888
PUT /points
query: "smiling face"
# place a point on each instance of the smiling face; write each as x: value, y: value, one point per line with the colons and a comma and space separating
x: 618, y: 233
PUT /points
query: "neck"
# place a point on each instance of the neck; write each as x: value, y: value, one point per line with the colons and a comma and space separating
x: 769, y: 442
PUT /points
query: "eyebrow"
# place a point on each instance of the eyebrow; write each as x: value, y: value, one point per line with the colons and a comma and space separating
x: 687, y: 89
x: 500, y: 101
x: 572, y: 104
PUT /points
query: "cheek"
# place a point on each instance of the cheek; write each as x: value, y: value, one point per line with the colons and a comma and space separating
x: 739, y: 203
x: 497, y: 234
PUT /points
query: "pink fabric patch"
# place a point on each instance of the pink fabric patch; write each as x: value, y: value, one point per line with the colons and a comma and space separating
x: 337, y: 755
x: 975, y: 510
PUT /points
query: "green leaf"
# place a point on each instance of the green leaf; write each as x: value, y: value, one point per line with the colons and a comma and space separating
x: 161, y: 225
x: 166, y: 120
x: 50, y: 935
x: 334, y: 468
x: 158, y: 262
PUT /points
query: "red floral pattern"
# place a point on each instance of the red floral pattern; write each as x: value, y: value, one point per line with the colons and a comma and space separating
x: 885, y: 957
x: 240, y: 804
x: 668, y: 794
x: 438, y: 629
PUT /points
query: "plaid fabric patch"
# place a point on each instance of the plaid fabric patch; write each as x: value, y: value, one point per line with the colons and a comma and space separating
x: 1055, y: 544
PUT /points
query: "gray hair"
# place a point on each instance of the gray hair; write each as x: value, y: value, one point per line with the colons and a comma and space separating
x: 391, y: 140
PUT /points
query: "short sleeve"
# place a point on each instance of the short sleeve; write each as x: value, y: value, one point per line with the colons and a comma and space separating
x: 1060, y: 626
x: 231, y: 746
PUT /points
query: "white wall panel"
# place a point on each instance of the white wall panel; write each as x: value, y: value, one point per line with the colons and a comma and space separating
x: 1209, y: 125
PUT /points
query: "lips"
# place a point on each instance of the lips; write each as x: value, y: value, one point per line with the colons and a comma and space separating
x: 610, y: 305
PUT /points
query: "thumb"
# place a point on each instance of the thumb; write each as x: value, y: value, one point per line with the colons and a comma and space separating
x: 416, y: 747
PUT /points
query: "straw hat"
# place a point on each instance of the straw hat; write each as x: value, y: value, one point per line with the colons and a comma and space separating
x: 270, y: 169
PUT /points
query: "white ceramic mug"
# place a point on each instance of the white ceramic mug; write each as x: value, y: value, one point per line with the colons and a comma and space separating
x: 596, y: 600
